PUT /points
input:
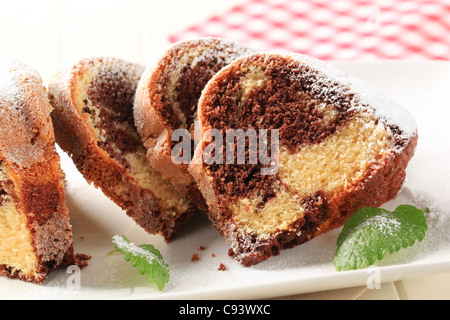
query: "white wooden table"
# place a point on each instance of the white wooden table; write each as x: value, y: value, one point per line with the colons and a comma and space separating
x: 49, y: 33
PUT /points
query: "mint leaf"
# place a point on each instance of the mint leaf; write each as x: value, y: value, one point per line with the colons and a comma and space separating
x: 146, y: 258
x: 372, y: 233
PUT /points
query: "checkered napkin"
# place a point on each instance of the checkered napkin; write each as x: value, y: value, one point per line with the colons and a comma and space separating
x: 336, y: 30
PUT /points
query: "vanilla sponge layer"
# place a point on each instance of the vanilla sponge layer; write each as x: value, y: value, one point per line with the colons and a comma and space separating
x: 16, y: 250
x: 339, y: 161
x: 334, y: 165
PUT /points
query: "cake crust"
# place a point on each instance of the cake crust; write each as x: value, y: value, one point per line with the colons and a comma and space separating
x: 315, y: 107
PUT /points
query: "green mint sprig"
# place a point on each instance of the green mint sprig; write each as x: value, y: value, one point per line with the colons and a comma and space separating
x: 146, y: 258
x: 372, y: 233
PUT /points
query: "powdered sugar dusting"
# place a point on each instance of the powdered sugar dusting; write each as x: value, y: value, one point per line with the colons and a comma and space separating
x: 366, y: 97
x: 24, y: 112
x: 223, y: 49
x: 386, y: 223
x: 10, y: 73
x: 210, y: 48
x: 133, y: 249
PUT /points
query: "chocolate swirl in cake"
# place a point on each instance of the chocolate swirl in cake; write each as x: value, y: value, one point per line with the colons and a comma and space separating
x: 342, y: 146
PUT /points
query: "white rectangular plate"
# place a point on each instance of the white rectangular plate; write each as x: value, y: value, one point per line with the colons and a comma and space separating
x: 423, y: 87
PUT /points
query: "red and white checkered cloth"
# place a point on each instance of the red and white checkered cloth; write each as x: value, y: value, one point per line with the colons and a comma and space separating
x: 336, y: 30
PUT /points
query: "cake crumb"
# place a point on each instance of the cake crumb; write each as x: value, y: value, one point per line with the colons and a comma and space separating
x: 195, y: 257
x: 222, y: 267
x: 201, y: 248
x: 213, y: 255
